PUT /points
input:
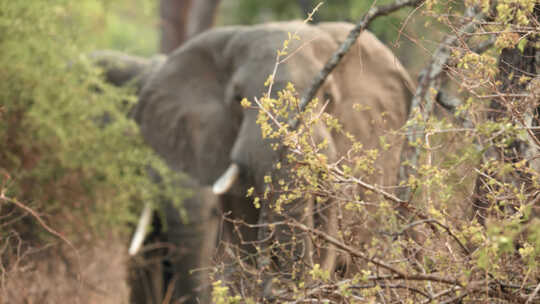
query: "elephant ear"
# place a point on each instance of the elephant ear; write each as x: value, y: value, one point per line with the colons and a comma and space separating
x: 371, y: 76
x: 181, y: 111
x: 121, y: 69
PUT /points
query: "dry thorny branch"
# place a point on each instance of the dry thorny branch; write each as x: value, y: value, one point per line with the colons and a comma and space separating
x: 13, y: 217
x: 449, y: 259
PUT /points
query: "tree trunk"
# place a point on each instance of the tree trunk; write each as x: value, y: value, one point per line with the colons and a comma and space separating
x: 183, y: 19
x: 201, y: 16
x: 174, y: 15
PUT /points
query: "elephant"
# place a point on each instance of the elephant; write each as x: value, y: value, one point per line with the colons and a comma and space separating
x: 189, y: 112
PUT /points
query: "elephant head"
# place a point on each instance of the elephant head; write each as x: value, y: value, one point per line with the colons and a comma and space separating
x: 370, y: 75
x: 190, y: 111
x: 189, y: 108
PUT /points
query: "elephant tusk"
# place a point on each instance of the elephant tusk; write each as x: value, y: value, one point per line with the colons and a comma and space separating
x: 225, y: 182
x: 140, y: 232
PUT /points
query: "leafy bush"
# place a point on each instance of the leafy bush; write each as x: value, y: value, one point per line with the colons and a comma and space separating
x: 69, y: 150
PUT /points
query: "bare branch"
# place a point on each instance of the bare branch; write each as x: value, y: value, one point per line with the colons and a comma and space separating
x: 40, y: 220
x: 350, y: 179
x: 37, y: 217
x: 347, y: 44
x: 434, y: 221
x: 533, y: 294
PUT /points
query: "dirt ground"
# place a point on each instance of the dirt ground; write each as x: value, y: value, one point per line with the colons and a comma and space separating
x: 95, y: 273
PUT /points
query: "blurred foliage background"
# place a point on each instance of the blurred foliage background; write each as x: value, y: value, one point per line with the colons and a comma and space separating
x: 250, y: 12
x: 126, y: 25
x: 398, y: 31
x: 133, y: 25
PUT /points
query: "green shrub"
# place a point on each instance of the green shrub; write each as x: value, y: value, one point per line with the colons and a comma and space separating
x: 69, y: 149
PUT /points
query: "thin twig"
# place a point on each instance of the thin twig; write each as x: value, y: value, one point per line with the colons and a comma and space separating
x: 442, y: 294
x: 37, y: 217
x: 533, y: 295
x: 40, y: 220
x: 411, y: 225
x: 398, y: 274
x: 367, y: 186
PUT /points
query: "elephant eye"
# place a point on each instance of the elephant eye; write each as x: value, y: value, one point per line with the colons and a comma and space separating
x: 328, y: 97
x: 238, y: 98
